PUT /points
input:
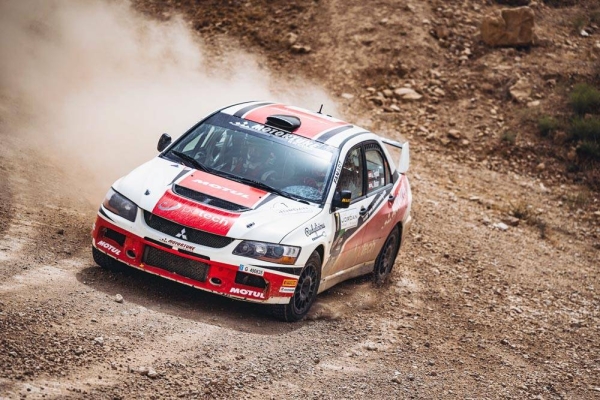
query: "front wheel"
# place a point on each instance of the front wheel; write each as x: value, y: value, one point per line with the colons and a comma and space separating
x: 305, y: 293
x: 387, y: 256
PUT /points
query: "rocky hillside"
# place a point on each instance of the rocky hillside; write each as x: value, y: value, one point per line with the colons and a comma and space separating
x: 476, y: 100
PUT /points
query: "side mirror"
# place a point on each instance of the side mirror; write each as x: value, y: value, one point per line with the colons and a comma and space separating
x: 342, y: 200
x: 163, y: 142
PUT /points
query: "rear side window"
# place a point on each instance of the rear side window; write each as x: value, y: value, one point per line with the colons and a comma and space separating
x: 378, y: 171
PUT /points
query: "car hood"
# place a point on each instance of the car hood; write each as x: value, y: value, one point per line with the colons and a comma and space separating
x: 212, y: 203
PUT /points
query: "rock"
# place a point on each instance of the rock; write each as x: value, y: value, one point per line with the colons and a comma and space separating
x: 378, y: 101
x: 291, y: 38
x: 300, y: 49
x: 532, y: 104
x: 500, y: 225
x: 99, y: 340
x: 395, y: 108
x: 465, y: 142
x: 521, y: 90
x: 78, y: 351
x: 347, y: 96
x: 407, y: 94
x: 371, y: 347
x: 453, y: 134
x: 143, y: 370
x: 441, y: 32
x: 583, y: 33
x: 509, y: 27
x: 541, y: 166
x: 118, y: 298
x: 152, y: 374
x: 511, y: 221
x: 388, y: 93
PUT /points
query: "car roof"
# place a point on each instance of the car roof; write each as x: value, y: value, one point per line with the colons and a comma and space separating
x: 316, y: 126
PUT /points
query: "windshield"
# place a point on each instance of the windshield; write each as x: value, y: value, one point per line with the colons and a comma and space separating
x: 238, y: 149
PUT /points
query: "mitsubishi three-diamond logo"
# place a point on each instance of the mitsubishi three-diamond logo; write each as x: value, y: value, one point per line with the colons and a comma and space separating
x: 182, y: 234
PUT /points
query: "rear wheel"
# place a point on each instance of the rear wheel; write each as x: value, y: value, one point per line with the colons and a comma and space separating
x: 386, y: 258
x: 106, y: 261
x: 305, y: 293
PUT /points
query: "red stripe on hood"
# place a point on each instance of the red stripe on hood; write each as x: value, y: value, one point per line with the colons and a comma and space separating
x: 194, y: 215
x: 216, y: 186
x: 312, y: 125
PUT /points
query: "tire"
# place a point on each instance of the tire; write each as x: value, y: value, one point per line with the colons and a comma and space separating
x: 386, y: 257
x: 305, y: 293
x: 106, y: 261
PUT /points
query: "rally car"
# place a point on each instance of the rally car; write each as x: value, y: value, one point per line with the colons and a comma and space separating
x: 261, y: 202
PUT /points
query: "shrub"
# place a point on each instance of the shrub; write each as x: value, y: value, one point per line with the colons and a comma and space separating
x: 585, y: 129
x: 509, y: 137
x: 589, y: 149
x: 579, y: 22
x: 547, y: 125
x: 585, y: 99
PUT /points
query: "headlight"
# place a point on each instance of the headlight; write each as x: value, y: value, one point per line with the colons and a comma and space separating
x: 120, y: 205
x: 271, y: 252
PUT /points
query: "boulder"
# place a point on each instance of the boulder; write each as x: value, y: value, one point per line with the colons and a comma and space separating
x: 509, y: 27
x: 521, y: 90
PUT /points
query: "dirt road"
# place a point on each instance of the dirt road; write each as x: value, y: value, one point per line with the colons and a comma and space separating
x: 471, y: 310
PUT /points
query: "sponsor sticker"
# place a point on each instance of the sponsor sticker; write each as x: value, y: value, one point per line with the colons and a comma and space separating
x: 348, y: 219
x: 289, y: 282
x: 222, y: 188
x: 178, y: 245
x: 283, y: 208
x: 286, y: 290
x: 247, y: 293
x: 314, y: 228
x: 338, y: 171
x: 249, y: 269
x: 108, y: 247
x: 289, y: 137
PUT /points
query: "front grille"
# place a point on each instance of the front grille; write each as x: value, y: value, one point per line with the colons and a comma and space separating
x: 193, y: 235
x: 189, y: 268
x: 206, y: 199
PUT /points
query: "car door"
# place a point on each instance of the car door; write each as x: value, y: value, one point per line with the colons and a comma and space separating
x: 376, y: 221
x: 348, y: 238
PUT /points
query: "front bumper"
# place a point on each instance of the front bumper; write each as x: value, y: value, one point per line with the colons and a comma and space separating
x: 247, y: 282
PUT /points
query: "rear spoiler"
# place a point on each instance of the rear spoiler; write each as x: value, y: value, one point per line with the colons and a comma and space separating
x: 404, y: 155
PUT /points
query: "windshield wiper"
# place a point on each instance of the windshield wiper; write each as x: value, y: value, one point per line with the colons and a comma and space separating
x: 268, y: 188
x: 191, y: 161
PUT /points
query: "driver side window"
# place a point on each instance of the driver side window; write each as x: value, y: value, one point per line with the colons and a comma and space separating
x: 351, y: 177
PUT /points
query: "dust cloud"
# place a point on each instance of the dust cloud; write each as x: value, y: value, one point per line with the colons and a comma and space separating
x: 93, y: 83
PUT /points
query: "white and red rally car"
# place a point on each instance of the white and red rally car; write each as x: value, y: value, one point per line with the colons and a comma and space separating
x: 261, y: 202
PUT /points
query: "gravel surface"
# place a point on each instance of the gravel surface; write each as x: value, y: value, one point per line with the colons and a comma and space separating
x: 494, y: 295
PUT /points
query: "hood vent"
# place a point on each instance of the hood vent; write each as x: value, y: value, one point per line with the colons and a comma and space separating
x: 285, y: 122
x: 208, y: 200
